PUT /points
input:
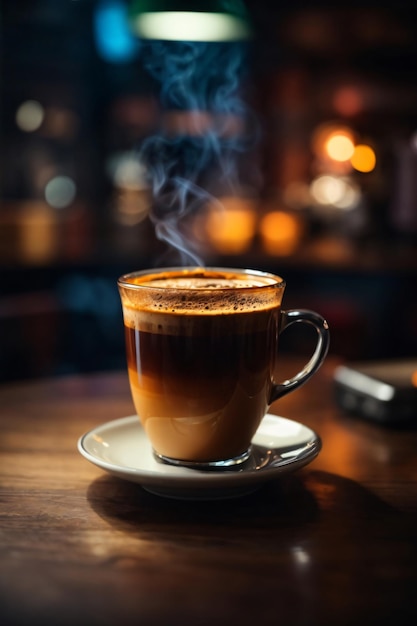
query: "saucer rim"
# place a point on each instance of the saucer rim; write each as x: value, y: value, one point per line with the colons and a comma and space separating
x: 176, y: 479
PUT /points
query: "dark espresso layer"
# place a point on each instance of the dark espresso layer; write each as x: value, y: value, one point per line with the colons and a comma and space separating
x: 201, y: 347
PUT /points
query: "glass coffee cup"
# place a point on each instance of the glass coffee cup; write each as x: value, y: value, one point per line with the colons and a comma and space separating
x: 202, y: 346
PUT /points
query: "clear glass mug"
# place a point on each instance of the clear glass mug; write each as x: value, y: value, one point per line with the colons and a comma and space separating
x: 202, y: 346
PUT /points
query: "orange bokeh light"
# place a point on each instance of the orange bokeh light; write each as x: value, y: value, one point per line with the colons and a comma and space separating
x: 363, y: 158
x: 280, y: 233
x: 231, y: 227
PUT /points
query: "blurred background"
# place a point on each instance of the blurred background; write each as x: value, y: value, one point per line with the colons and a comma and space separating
x: 288, y: 146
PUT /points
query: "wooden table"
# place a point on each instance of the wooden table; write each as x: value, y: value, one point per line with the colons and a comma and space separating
x: 334, y: 543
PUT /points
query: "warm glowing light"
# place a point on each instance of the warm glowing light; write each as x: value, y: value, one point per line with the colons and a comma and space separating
x: 414, y: 378
x: 231, y: 227
x: 280, y: 233
x: 334, y: 144
x: 132, y: 200
x: 340, y: 147
x: 132, y: 206
x: 327, y: 189
x: 335, y: 191
x: 363, y: 158
x: 30, y: 115
x: 348, y: 100
x: 37, y: 232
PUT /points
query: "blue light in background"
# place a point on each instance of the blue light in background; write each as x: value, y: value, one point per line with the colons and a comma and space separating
x: 114, y: 41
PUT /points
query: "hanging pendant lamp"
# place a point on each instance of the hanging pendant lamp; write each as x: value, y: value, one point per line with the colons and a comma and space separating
x: 216, y: 20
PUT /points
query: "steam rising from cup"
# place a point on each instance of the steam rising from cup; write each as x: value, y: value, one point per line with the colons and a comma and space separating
x: 204, y: 131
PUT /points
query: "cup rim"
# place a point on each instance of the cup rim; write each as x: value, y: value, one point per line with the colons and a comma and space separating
x: 124, y: 279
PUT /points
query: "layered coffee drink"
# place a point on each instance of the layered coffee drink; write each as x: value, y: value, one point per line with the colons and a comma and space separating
x: 201, y: 351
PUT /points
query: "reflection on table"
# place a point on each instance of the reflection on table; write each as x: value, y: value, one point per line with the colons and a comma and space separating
x: 329, y: 543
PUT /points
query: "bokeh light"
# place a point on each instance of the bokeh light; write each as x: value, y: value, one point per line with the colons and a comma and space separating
x: 114, y: 40
x: 339, y: 146
x: 30, y: 115
x: 127, y: 171
x: 363, y: 158
x: 60, y: 192
x: 230, y: 225
x: 348, y: 100
x: 191, y: 25
x: 280, y: 233
x: 333, y: 141
x: 336, y: 191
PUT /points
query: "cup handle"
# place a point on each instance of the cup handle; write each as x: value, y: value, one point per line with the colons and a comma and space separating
x: 304, y: 316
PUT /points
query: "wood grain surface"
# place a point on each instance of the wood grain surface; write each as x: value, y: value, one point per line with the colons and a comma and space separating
x: 334, y: 543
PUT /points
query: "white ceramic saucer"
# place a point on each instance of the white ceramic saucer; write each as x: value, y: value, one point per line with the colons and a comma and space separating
x: 121, y: 448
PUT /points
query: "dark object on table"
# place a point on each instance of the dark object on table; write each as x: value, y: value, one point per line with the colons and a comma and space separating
x: 381, y: 391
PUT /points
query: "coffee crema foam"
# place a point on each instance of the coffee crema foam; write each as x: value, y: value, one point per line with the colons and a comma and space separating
x: 201, y: 294
x: 205, y: 283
